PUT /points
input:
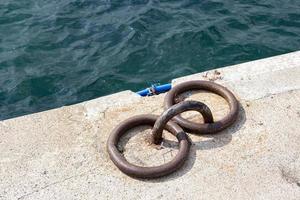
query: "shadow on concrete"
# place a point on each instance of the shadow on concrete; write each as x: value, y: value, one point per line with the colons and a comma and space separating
x: 216, y: 141
x: 213, y: 141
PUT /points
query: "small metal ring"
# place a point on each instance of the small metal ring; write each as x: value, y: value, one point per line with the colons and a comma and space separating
x: 147, y: 172
x: 175, y: 110
x: 208, y: 86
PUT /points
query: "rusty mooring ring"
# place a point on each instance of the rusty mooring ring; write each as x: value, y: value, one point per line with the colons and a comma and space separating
x: 147, y: 172
x: 176, y: 109
x: 208, y: 86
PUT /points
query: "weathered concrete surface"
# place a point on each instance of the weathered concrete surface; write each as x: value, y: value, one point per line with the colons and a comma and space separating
x: 61, y: 153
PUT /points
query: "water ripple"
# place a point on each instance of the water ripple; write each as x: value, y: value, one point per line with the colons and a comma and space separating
x: 55, y: 53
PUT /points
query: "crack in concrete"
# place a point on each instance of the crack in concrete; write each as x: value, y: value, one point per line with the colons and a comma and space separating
x: 272, y: 94
x: 289, y: 173
x: 104, y: 112
x: 289, y: 176
x: 54, y: 183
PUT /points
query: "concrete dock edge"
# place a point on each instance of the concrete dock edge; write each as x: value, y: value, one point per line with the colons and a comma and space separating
x: 61, y: 153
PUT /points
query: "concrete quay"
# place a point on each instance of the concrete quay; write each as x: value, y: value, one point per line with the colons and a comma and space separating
x: 61, y: 153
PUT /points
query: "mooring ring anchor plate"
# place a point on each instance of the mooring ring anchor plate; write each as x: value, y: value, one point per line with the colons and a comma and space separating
x: 206, y: 128
x: 175, y: 110
x: 147, y: 172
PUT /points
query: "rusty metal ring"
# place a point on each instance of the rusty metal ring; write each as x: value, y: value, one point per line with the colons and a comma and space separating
x: 208, y: 86
x: 147, y: 172
x: 175, y: 110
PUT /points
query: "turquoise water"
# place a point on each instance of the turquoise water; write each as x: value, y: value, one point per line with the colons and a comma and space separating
x: 55, y: 53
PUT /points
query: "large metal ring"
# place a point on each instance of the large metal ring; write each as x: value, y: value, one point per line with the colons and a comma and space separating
x: 147, y: 172
x: 175, y: 110
x: 208, y: 86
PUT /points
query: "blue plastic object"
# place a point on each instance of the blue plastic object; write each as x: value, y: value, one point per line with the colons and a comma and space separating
x: 155, y: 89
